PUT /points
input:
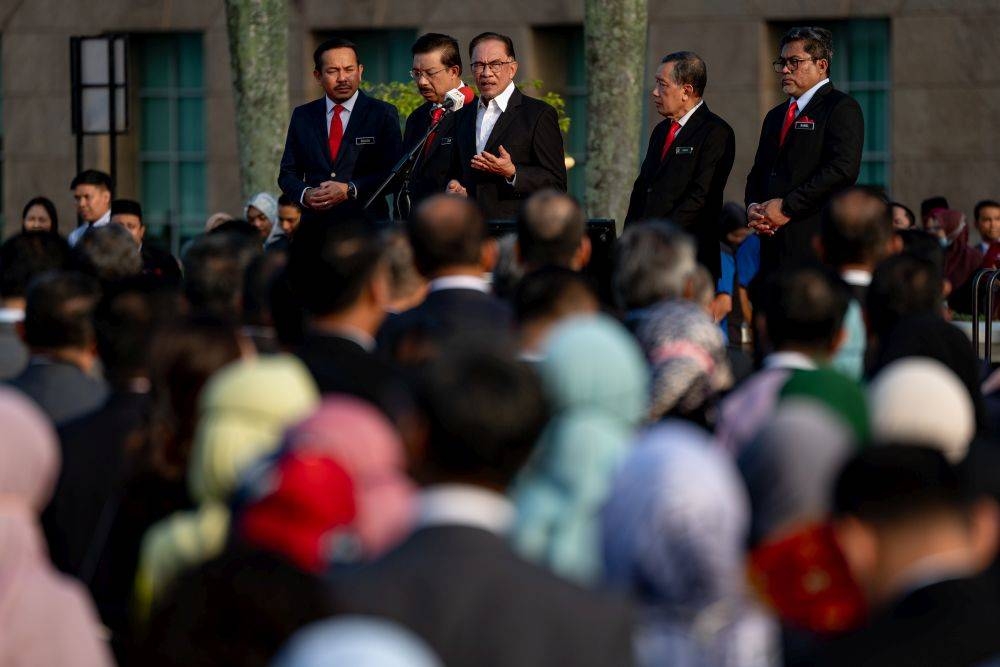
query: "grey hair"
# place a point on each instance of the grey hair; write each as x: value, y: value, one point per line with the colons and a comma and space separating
x: 654, y: 261
x: 688, y: 68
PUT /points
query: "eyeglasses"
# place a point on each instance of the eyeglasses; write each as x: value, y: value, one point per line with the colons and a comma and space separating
x: 791, y: 63
x: 417, y: 74
x: 479, y: 68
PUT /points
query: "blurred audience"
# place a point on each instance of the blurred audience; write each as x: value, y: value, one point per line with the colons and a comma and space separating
x: 552, y: 231
x: 356, y: 640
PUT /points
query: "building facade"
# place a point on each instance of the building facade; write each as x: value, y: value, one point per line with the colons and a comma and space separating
x: 920, y: 68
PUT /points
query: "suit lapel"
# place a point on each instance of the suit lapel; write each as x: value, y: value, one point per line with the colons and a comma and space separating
x: 685, y: 133
x: 319, y: 125
x: 814, y: 101
x: 354, y: 126
x: 447, y: 123
x: 503, y: 122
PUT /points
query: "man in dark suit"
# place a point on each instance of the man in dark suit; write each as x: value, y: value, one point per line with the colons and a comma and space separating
x: 915, y: 539
x: 810, y: 149
x: 689, y: 158
x: 456, y: 581
x: 156, y: 262
x: 437, y: 68
x: 451, y: 248
x: 341, y: 147
x: 509, y: 144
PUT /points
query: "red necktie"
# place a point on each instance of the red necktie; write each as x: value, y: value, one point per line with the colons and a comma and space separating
x: 789, y: 119
x: 675, y: 127
x: 336, y: 132
x: 435, y: 117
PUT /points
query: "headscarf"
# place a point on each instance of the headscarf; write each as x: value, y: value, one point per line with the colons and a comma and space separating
x: 243, y: 410
x: 960, y: 260
x: 918, y: 400
x: 268, y: 205
x: 674, y: 531
x: 32, y: 594
x: 368, y: 506
x: 596, y: 379
x: 837, y: 392
x: 687, y: 353
x: 355, y: 640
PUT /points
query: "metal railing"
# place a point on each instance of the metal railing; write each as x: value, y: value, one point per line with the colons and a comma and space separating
x: 991, y: 285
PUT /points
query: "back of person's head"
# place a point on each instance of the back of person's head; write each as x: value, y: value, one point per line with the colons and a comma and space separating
x: 923, y: 245
x: 107, y: 253
x: 214, y: 267
x: 330, y: 267
x: 92, y: 177
x: 932, y: 203
x: 654, y: 262
x: 855, y: 229
x: 553, y: 293
x: 356, y: 640
x: 262, y: 270
x: 484, y: 412
x: 26, y: 255
x: 447, y: 232
x: 236, y: 226
x: 406, y: 281
x: 59, y: 310
x: 902, y: 285
x: 803, y: 309
x: 550, y: 229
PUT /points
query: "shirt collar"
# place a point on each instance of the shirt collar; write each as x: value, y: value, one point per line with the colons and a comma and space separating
x: 502, y: 100
x: 11, y: 315
x: 686, y: 117
x: 803, y: 100
x: 362, y: 338
x: 103, y: 220
x: 857, y: 277
x: 348, y: 104
x: 789, y: 360
x: 459, y: 282
x: 464, y: 505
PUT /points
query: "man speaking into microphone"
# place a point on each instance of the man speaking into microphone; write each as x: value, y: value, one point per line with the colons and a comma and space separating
x: 437, y: 70
x: 509, y: 144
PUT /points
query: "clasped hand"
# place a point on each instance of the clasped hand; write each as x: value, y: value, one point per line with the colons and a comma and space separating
x: 766, y: 218
x: 327, y: 195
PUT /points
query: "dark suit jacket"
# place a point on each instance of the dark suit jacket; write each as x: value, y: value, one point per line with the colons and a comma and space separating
x: 161, y: 264
x: 529, y: 131
x: 450, y: 314
x: 688, y: 187
x: 948, y: 624
x: 369, y: 150
x: 62, y: 390
x: 821, y: 156
x: 430, y: 173
x: 475, y: 602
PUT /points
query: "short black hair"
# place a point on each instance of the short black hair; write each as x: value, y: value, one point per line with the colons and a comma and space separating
x: 285, y: 200
x: 817, y: 42
x: 907, y: 210
x: 886, y: 484
x: 125, y: 321
x: 803, y: 306
x: 26, y: 255
x: 484, y: 36
x: 92, y: 177
x: 986, y: 203
x: 855, y: 228
x: 434, y: 41
x: 550, y: 226
x: 903, y: 285
x: 329, y: 265
x: 552, y: 291
x: 49, y: 207
x: 127, y: 207
x: 446, y: 231
x: 931, y: 203
x: 485, y: 410
x: 689, y: 68
x: 108, y: 253
x: 214, y: 266
x: 237, y: 227
x: 58, y: 310
x: 330, y: 44
x: 732, y: 217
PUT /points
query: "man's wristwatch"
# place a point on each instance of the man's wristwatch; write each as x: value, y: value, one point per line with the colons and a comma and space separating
x: 352, y: 191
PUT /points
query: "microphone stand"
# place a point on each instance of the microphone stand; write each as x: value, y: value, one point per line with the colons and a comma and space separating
x: 405, y: 164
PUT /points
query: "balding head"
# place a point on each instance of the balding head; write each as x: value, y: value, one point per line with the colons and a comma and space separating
x: 447, y: 233
x: 551, y: 231
x: 856, y: 229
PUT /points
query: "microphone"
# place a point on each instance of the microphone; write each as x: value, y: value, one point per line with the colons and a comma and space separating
x: 456, y: 98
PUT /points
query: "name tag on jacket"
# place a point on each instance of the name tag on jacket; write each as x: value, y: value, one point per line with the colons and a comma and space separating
x: 805, y: 125
x: 684, y: 150
x: 361, y: 141
x: 446, y: 141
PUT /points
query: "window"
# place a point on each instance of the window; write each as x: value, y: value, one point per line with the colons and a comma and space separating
x: 860, y: 68
x: 171, y: 117
x: 384, y: 53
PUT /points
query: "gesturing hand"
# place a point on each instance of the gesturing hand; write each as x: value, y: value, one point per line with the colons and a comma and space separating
x: 495, y: 164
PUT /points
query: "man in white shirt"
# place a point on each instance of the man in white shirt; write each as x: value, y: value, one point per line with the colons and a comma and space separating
x: 92, y: 194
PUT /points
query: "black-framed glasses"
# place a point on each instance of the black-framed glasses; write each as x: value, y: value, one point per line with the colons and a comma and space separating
x: 494, y: 65
x: 791, y: 63
x: 417, y: 74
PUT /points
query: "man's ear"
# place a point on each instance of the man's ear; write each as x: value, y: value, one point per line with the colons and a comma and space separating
x: 985, y: 525
x: 581, y: 257
x: 838, y: 340
x: 858, y: 543
x: 819, y: 248
x: 380, y: 286
x: 489, y: 253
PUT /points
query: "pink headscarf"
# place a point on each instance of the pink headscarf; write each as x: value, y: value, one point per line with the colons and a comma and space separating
x: 359, y: 438
x: 46, y: 618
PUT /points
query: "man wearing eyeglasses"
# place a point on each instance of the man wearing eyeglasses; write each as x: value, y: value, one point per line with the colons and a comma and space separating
x: 509, y: 144
x: 810, y: 149
x: 341, y: 147
x: 689, y: 158
x: 437, y: 68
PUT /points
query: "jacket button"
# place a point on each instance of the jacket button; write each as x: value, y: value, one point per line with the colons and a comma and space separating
x: 333, y: 174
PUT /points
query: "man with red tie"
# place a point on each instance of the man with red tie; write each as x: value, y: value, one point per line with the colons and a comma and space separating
x: 341, y: 147
x: 689, y: 158
x: 810, y: 149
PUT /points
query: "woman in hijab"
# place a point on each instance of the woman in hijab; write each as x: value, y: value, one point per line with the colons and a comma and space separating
x: 960, y: 260
x: 597, y: 381
x: 674, y: 531
x: 46, y: 619
x: 262, y: 212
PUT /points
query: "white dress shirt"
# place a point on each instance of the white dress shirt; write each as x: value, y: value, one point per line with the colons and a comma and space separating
x: 345, y: 118
x: 76, y: 234
x: 682, y: 121
x: 804, y: 98
x: 487, y: 114
x: 464, y: 505
x: 459, y: 282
